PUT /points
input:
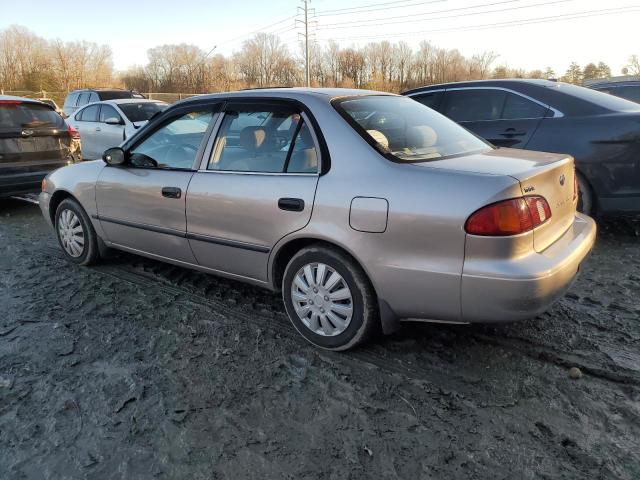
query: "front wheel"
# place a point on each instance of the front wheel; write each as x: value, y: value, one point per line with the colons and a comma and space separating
x: 75, y: 233
x: 329, y: 298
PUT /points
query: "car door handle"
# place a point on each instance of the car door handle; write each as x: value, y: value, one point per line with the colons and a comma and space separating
x: 512, y: 132
x: 171, y: 192
x: 291, y: 204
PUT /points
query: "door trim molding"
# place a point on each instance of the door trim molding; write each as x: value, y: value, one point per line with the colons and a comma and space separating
x: 188, y: 235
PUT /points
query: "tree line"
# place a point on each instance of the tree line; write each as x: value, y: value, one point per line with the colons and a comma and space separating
x: 29, y: 62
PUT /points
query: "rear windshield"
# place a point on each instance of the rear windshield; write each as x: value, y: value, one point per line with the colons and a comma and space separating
x: 140, y: 112
x: 406, y: 129
x: 604, y: 100
x: 115, y: 95
x: 28, y: 115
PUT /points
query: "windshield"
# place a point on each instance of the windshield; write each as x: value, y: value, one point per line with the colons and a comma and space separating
x: 141, y: 112
x: 16, y: 114
x: 406, y: 129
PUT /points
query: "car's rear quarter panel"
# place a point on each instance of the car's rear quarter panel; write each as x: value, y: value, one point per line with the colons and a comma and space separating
x: 416, y: 264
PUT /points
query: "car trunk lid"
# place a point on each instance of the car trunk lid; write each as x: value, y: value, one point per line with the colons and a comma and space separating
x: 548, y: 175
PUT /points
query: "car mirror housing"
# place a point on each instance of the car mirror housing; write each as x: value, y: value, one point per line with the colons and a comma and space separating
x: 114, y: 156
x: 113, y: 121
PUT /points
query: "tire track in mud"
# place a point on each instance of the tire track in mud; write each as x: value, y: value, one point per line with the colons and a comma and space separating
x: 372, y: 354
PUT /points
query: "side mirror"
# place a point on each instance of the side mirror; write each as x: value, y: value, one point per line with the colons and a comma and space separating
x: 113, y: 121
x: 114, y: 156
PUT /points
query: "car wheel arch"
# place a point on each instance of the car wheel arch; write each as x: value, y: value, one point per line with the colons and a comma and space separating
x: 56, y: 199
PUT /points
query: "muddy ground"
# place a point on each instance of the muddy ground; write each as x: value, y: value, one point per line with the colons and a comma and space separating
x: 135, y: 369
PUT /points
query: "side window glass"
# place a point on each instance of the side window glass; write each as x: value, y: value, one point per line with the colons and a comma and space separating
x: 517, y: 107
x: 107, y: 112
x: 83, y: 99
x: 93, y: 97
x: 630, y: 93
x: 304, y: 157
x: 250, y: 141
x: 89, y: 114
x: 174, y: 145
x: 430, y: 99
x: 474, y: 105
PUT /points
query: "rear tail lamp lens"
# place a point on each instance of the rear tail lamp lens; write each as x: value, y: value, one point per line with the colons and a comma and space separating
x: 74, y: 133
x: 509, y: 217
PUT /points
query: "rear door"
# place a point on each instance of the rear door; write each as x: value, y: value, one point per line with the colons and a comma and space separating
x: 85, y: 121
x: 504, y: 118
x: 33, y: 141
x: 256, y: 184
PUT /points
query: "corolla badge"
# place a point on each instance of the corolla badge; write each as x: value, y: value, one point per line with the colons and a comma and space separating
x: 562, y: 180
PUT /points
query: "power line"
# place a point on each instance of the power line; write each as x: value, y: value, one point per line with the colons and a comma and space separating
x: 414, y: 18
x: 530, y: 21
x: 259, y: 30
x: 331, y: 13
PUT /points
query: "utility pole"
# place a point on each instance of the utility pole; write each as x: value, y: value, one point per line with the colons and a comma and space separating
x: 305, y: 11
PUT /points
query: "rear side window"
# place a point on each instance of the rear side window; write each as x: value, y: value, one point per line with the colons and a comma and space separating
x: 429, y: 99
x: 600, y: 99
x: 28, y: 115
x: 516, y: 107
x: 83, y: 99
x: 89, y: 114
x: 474, y: 105
x: 70, y: 101
x: 268, y: 141
x: 93, y: 97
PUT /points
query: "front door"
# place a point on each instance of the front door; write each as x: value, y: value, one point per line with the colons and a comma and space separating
x: 110, y: 129
x: 141, y: 204
x: 86, y: 123
x: 256, y: 185
x: 503, y: 118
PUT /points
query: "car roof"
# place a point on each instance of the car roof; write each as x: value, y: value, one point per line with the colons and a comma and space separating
x: 120, y: 101
x: 295, y: 93
x: 22, y: 99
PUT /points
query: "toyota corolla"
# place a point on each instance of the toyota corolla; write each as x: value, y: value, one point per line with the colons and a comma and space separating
x: 362, y: 208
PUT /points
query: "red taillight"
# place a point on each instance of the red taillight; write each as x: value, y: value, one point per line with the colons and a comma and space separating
x: 509, y: 217
x: 73, y: 132
x: 10, y: 102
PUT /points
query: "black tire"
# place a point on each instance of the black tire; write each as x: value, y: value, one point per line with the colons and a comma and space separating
x: 585, y: 196
x: 89, y: 253
x: 365, y: 319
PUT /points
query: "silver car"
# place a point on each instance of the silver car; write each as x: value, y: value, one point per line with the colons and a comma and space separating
x: 107, y: 124
x: 363, y: 208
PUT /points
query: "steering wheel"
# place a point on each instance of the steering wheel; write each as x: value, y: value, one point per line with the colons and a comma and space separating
x: 177, y: 154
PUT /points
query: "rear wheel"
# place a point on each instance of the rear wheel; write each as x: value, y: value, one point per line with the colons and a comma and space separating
x: 75, y: 233
x: 329, y: 299
x: 585, y: 196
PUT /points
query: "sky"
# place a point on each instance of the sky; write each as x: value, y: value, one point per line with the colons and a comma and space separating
x: 527, y: 34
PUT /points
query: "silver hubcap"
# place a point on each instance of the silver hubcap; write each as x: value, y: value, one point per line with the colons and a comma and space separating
x: 71, y: 233
x: 322, y: 299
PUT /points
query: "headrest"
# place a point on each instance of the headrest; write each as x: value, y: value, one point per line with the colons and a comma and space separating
x: 379, y: 137
x: 421, y: 136
x: 257, y: 138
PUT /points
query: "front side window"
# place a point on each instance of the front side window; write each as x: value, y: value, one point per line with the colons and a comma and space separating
x: 406, y: 129
x: 474, y: 105
x: 107, y: 112
x: 268, y: 141
x: 429, y: 99
x: 630, y: 92
x: 89, y: 114
x: 516, y: 107
x: 175, y: 144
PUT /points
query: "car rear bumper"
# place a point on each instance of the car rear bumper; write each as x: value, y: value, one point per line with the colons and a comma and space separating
x: 17, y: 183
x: 527, y: 284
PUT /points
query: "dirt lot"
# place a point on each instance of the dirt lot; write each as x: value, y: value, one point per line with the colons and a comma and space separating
x: 135, y: 369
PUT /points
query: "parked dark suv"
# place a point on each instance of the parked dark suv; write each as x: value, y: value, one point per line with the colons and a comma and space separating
x: 79, y: 98
x: 34, y: 140
x: 602, y: 132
